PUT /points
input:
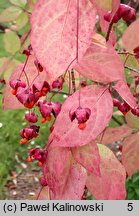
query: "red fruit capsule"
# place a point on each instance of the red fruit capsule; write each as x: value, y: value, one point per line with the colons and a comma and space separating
x: 126, y: 12
x: 116, y: 102
x: 43, y: 181
x: 83, y: 198
x: 29, y: 105
x: 31, y: 117
x: 137, y: 112
x: 133, y: 111
x: 83, y: 83
x: 38, y: 65
x: 108, y: 16
x: 58, y: 83
x: 136, y: 52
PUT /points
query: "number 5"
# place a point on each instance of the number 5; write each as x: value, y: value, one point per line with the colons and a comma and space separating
x: 130, y: 207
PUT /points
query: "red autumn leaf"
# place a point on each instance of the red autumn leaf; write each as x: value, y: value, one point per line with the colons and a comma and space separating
x: 101, y: 64
x: 10, y: 101
x: 130, y: 153
x: 123, y: 90
x: 111, y: 184
x: 111, y: 135
x: 88, y: 157
x: 131, y: 36
x: 66, y: 132
x: 66, y: 179
x: 54, y: 30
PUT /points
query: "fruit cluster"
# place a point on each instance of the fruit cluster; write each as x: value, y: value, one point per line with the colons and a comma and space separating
x: 125, y: 12
x: 124, y: 107
x: 30, y: 96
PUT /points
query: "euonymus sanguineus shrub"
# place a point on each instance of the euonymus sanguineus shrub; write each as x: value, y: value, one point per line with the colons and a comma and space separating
x: 66, y: 50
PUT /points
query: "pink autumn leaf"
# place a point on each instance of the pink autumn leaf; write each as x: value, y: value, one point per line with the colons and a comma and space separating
x: 111, y: 184
x: 130, y: 153
x: 111, y: 135
x: 66, y: 132
x: 56, y: 169
x: 123, y: 90
x: 66, y: 178
x: 54, y: 30
x: 88, y: 156
x: 131, y: 36
x: 75, y: 183
x: 10, y: 101
x: 101, y: 63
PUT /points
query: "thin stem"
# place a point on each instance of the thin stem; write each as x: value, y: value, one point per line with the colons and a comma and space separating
x: 69, y: 83
x: 35, y: 78
x: 127, y: 56
x: 132, y: 69
x: 61, y: 92
x: 73, y: 80
x: 39, y: 193
x: 109, y: 31
x: 80, y: 91
x: 69, y: 67
x: 57, y: 92
x: 24, y: 38
x: 23, y: 71
x: 102, y: 135
x: 125, y: 53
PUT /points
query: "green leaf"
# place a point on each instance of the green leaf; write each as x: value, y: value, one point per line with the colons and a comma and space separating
x: 4, y: 4
x: 10, y: 14
x: 21, y: 21
x: 105, y: 4
x: 131, y: 196
x: 131, y: 60
x: 135, y: 177
x: 30, y: 5
x: 12, y: 42
x: 132, y: 120
x: 137, y: 191
x: 21, y: 3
